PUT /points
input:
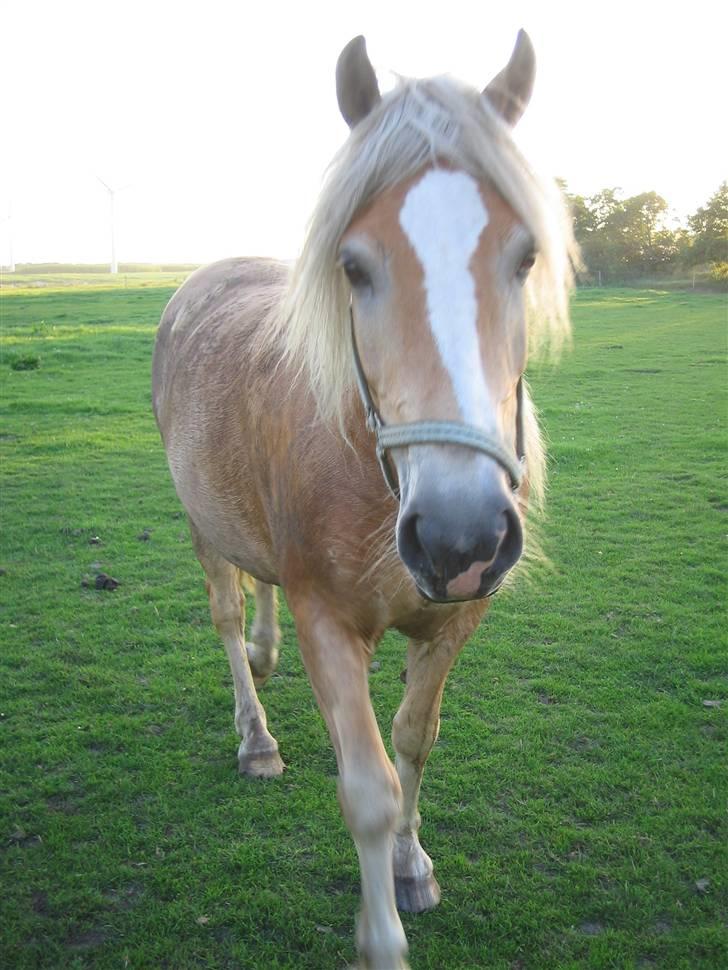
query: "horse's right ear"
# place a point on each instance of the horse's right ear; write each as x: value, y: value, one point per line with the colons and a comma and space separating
x: 356, y: 83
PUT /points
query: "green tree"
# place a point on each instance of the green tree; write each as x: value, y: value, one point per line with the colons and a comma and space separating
x: 622, y: 238
x: 709, y: 226
x: 593, y: 218
x: 649, y: 245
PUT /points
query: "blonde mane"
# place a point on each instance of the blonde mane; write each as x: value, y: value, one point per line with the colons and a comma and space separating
x: 420, y: 122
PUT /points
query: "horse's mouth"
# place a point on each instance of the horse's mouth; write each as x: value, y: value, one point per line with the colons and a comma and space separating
x: 437, y: 592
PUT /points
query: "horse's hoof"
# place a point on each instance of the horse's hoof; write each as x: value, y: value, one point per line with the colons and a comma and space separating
x: 260, y: 764
x: 416, y: 895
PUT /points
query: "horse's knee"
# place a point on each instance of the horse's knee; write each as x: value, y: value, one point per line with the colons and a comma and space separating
x: 263, y: 660
x: 266, y: 636
x: 227, y: 621
x: 226, y: 609
x: 370, y: 799
x: 414, y: 740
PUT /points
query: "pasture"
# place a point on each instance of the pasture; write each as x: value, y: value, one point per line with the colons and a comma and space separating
x: 575, y: 804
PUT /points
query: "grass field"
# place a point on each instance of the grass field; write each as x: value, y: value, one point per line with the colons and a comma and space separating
x: 70, y: 280
x: 575, y: 805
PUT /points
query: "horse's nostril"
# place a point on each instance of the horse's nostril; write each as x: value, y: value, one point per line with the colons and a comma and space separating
x: 511, y: 545
x: 426, y: 541
x: 410, y: 546
x: 489, y: 549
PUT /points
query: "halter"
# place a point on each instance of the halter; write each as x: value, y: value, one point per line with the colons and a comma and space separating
x: 436, y: 432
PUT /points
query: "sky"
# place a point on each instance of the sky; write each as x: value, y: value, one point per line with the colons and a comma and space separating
x: 216, y: 120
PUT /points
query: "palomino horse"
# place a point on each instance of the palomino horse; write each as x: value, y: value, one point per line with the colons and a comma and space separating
x: 412, y: 288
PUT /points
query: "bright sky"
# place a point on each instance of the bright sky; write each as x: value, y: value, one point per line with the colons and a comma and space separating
x: 220, y: 117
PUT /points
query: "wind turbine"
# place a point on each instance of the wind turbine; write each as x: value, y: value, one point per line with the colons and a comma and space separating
x: 113, y: 268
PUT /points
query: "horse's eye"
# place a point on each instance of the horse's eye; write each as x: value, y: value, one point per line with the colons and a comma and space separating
x: 526, y: 266
x: 355, y: 273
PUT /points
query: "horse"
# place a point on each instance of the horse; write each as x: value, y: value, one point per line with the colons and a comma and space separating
x: 355, y: 429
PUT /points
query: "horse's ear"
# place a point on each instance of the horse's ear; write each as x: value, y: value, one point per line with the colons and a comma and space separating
x: 356, y: 83
x: 510, y: 91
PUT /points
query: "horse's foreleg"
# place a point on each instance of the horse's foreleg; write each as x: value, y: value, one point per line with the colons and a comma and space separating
x: 258, y: 751
x: 369, y: 793
x: 262, y: 645
x: 414, y: 731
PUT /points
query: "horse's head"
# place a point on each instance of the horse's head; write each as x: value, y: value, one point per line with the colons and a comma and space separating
x: 436, y: 265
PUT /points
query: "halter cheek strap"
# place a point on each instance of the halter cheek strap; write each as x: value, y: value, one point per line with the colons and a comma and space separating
x: 436, y: 432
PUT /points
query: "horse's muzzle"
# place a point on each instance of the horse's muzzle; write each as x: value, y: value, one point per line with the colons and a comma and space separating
x: 459, y: 550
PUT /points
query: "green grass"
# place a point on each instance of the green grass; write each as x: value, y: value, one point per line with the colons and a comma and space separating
x: 85, y: 278
x: 577, y: 797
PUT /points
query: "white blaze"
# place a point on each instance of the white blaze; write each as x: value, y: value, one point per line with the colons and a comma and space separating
x: 443, y: 216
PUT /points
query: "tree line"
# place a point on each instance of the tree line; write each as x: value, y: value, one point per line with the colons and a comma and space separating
x: 632, y: 238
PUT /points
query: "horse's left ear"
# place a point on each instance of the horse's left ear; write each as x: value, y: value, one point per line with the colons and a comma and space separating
x: 356, y: 83
x: 510, y: 91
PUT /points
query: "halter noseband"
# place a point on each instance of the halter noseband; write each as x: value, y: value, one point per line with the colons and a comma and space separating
x: 436, y: 432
